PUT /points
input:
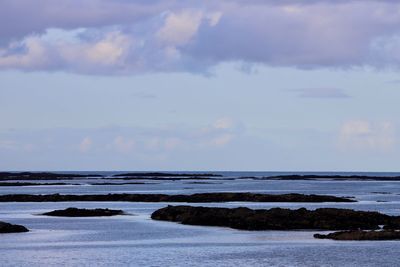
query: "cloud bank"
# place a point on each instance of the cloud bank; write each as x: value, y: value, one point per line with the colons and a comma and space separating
x: 129, y: 37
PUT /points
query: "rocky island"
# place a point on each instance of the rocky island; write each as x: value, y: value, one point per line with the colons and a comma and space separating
x: 12, y: 228
x: 275, y: 218
x: 75, y: 212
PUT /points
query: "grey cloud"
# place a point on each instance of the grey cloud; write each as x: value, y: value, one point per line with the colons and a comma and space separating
x: 123, y: 37
x: 23, y: 17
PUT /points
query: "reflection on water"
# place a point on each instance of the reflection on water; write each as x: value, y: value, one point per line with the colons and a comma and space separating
x: 135, y: 239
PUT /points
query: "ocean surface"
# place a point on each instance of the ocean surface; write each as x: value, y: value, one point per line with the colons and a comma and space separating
x: 136, y: 240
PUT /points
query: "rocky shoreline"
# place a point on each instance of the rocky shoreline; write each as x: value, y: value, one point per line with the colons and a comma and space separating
x: 275, y: 218
x: 194, y: 198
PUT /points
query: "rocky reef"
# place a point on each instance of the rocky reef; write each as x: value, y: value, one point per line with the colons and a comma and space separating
x: 274, y: 219
x: 194, y: 198
x: 75, y: 212
x: 361, y: 235
x: 12, y: 228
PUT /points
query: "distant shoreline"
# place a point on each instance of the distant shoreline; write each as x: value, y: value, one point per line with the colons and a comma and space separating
x: 174, y: 176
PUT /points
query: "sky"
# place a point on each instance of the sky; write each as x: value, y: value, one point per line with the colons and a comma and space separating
x: 200, y: 85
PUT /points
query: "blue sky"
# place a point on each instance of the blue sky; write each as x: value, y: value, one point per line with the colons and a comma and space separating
x: 175, y: 85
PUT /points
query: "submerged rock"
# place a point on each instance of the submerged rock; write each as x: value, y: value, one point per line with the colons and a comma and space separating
x: 12, y: 228
x: 361, y: 235
x: 273, y: 219
x: 75, y: 212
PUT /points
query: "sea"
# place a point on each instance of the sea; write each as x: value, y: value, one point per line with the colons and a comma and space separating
x: 137, y: 240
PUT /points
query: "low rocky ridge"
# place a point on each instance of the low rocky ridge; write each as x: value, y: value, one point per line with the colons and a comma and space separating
x: 12, y: 228
x: 361, y: 235
x: 274, y: 219
x: 75, y: 212
x: 194, y: 198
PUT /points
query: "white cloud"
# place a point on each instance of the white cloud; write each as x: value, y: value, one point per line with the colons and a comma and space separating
x: 107, y: 51
x: 223, y: 123
x: 45, y: 52
x: 366, y: 135
x: 222, y: 140
x: 8, y: 144
x: 213, y: 18
x: 34, y: 57
x: 172, y: 143
x: 85, y: 144
x: 179, y: 28
x: 153, y: 143
x: 124, y: 145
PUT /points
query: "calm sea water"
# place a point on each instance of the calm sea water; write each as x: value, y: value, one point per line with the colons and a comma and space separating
x: 136, y: 240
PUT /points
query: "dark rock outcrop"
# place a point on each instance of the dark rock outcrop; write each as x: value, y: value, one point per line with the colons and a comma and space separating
x: 273, y: 219
x: 195, y: 198
x: 75, y: 212
x: 12, y: 228
x: 361, y: 235
x: 393, y: 224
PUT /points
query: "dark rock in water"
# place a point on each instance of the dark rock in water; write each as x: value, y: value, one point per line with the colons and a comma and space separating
x: 75, y: 212
x: 195, y: 198
x: 361, y: 235
x: 273, y: 219
x: 12, y: 228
